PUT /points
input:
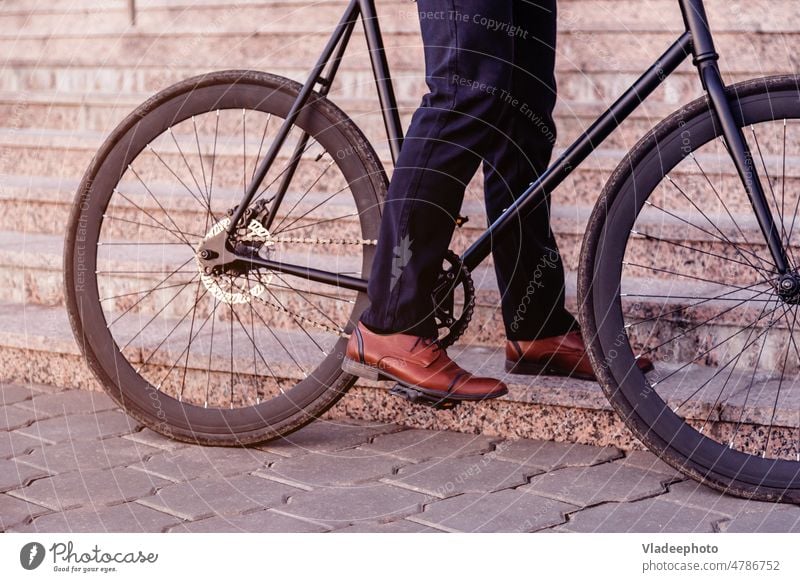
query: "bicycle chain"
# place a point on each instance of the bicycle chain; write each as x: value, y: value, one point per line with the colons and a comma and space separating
x: 325, y: 241
x: 257, y: 232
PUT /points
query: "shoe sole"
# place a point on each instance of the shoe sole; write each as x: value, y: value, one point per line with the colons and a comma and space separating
x: 373, y: 373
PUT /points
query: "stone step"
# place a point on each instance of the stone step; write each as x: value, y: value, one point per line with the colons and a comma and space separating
x: 30, y: 271
x: 254, y: 15
x: 573, y: 85
x: 101, y: 113
x: 742, y: 51
x: 766, y: 15
x: 36, y: 345
x: 64, y: 155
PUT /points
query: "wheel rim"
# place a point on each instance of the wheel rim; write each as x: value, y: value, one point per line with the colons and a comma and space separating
x: 203, y: 180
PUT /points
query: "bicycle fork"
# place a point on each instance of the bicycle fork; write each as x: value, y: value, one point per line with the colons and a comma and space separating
x: 705, y: 59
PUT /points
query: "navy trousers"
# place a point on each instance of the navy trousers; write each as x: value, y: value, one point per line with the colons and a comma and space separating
x: 489, y: 67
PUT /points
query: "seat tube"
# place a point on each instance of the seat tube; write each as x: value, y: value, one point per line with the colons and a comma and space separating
x: 705, y: 59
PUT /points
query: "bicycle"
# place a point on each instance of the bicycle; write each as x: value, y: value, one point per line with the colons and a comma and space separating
x: 243, y: 245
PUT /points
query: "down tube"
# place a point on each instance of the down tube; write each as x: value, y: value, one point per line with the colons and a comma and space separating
x: 581, y: 148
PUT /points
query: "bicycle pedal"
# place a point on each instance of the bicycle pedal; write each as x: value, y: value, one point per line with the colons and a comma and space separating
x: 417, y: 397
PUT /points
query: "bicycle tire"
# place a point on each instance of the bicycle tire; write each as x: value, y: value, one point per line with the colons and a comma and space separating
x: 608, y: 238
x: 176, y: 418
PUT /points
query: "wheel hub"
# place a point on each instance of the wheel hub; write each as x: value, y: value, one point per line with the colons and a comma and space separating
x: 218, y: 261
x: 789, y: 288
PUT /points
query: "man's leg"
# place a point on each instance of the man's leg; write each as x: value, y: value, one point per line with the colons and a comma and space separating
x: 543, y: 335
x: 468, y: 66
x: 528, y: 265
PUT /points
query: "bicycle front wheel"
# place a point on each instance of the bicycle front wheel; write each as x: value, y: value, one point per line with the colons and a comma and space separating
x: 675, y: 268
x: 239, y: 355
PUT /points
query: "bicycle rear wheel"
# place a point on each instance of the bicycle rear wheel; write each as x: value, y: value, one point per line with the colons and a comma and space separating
x: 238, y: 356
x: 674, y: 267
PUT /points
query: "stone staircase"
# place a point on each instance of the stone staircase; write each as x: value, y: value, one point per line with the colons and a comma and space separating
x: 71, y: 70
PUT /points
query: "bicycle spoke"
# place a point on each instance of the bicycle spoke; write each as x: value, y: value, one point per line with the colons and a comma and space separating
x: 691, y: 248
x: 185, y: 161
x: 300, y: 293
x: 151, y: 290
x: 750, y: 386
x: 210, y: 351
x: 721, y: 201
x: 769, y: 182
x: 175, y: 327
x: 709, y: 350
x: 725, y: 240
x: 178, y: 234
x: 133, y: 293
x: 735, y: 360
x: 152, y: 319
x: 686, y: 275
x: 177, y: 231
x: 711, y: 222
x: 260, y: 146
x: 302, y: 216
x: 164, y: 210
x: 313, y: 224
x: 200, y: 157
x: 780, y: 385
x: 701, y: 324
x: 314, y: 183
x: 213, y: 163
x: 705, y: 300
x: 203, y: 203
x: 188, y: 348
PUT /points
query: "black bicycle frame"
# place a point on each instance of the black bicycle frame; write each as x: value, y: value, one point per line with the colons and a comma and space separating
x: 696, y: 41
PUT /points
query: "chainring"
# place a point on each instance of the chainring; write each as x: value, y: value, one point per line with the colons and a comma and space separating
x: 454, y: 275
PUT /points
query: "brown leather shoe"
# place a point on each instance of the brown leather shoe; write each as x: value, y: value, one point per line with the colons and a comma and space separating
x: 415, y: 362
x: 561, y: 355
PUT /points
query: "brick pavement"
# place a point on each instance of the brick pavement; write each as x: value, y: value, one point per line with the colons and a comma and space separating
x: 72, y: 461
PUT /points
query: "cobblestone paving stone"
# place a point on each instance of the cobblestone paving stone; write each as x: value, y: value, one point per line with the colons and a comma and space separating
x: 775, y: 520
x: 70, y: 461
x: 82, y: 455
x: 218, y: 495
x: 154, y: 439
x: 548, y: 456
x: 13, y: 417
x: 338, y: 507
x: 397, y: 526
x: 11, y: 394
x: 15, y: 511
x: 502, y: 511
x: 58, y: 429
x: 583, y: 486
x: 68, y: 402
x: 13, y: 444
x: 338, y: 468
x: 122, y: 518
x: 644, y: 516
x: 189, y: 463
x: 448, y: 477
x: 418, y: 445
x: 260, y: 521
x: 95, y: 487
x: 12, y: 473
x: 327, y: 435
